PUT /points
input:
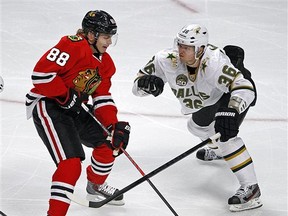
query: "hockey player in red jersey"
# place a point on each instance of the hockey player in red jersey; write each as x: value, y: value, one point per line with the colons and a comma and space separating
x: 67, y: 75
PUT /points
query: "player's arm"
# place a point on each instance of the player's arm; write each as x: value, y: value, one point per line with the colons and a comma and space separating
x: 105, y: 111
x: 47, y: 76
x: 147, y: 82
x: 104, y: 107
x: 242, y: 93
x: 241, y: 90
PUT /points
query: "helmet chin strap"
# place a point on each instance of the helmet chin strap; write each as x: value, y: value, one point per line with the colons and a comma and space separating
x: 94, y: 44
x: 194, y: 64
x: 198, y: 56
x: 95, y: 47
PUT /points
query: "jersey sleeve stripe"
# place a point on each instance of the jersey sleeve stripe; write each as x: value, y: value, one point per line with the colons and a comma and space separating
x: 38, y: 77
x: 242, y: 87
x: 101, y: 101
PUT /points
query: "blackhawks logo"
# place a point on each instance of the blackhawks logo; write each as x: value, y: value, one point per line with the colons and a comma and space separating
x: 87, y: 81
x: 75, y: 38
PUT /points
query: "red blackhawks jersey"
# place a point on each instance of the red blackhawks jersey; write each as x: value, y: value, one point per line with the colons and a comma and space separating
x: 71, y: 64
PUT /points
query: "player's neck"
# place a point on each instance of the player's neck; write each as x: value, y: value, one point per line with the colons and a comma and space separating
x: 95, y: 51
x: 191, y: 70
x: 194, y: 64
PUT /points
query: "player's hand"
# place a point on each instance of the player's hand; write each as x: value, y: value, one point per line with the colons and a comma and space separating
x: 73, y: 100
x: 151, y: 84
x: 120, y: 135
x: 226, y: 122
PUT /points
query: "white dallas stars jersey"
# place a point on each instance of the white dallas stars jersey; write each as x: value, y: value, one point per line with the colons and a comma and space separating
x: 215, y: 76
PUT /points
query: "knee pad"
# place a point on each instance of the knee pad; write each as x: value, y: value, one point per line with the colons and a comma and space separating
x: 103, y: 154
x: 202, y: 132
x: 68, y: 171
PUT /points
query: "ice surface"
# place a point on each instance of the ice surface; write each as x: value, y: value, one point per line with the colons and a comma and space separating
x: 30, y: 27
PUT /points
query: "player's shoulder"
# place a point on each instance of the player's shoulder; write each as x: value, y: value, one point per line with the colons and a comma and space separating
x: 167, y: 57
x: 75, y: 40
x: 167, y: 53
x: 215, y: 53
x: 73, y: 44
x: 215, y: 56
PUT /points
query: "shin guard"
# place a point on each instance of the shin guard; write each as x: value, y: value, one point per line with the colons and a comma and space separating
x: 64, y: 179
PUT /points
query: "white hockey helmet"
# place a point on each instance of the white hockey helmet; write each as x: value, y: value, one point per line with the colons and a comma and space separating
x: 193, y: 35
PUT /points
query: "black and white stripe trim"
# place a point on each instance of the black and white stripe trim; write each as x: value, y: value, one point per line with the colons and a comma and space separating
x: 31, y: 101
x: 101, y: 101
x: 58, y: 191
x: 31, y: 97
x: 101, y: 168
x: 39, y: 78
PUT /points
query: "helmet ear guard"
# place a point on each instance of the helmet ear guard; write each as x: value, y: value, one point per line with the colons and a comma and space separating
x: 199, y: 52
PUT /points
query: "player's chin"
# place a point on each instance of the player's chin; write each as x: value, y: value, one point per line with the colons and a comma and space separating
x: 103, y: 49
x: 182, y: 59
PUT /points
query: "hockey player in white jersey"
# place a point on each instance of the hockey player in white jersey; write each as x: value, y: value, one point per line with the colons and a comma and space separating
x: 217, y: 91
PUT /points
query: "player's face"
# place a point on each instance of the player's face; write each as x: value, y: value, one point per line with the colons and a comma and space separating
x: 104, y: 41
x: 186, y: 53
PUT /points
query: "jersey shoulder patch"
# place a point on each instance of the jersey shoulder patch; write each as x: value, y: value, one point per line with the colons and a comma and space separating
x: 169, y: 57
x: 75, y: 38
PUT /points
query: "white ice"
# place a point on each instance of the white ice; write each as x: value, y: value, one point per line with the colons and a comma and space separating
x: 159, y: 133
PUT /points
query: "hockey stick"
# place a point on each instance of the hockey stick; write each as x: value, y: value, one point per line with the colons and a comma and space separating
x: 98, y: 204
x: 99, y: 123
x: 1, y: 213
x: 150, y: 182
x: 132, y: 161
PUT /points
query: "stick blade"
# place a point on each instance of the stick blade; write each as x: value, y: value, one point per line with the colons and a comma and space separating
x: 84, y: 202
x: 77, y: 199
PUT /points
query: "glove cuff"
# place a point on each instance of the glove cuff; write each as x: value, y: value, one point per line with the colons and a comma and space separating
x: 226, y: 112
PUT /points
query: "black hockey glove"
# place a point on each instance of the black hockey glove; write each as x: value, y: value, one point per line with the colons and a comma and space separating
x: 73, y: 100
x: 151, y: 84
x: 226, y: 122
x: 120, y: 135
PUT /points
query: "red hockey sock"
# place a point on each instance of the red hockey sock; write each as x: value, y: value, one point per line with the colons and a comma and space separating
x: 64, y: 179
x: 102, y: 161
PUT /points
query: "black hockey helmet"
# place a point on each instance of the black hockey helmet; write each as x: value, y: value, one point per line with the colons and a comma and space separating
x: 99, y: 21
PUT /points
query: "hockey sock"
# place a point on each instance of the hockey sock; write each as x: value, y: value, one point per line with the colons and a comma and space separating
x: 64, y: 179
x: 102, y: 161
x: 238, y: 158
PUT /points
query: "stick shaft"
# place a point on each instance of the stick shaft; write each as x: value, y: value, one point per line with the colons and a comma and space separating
x: 150, y: 182
x: 154, y: 172
x: 98, y: 204
x: 132, y: 161
x: 100, y: 124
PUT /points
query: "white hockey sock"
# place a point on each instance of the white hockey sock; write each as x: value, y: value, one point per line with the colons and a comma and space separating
x: 239, y: 161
